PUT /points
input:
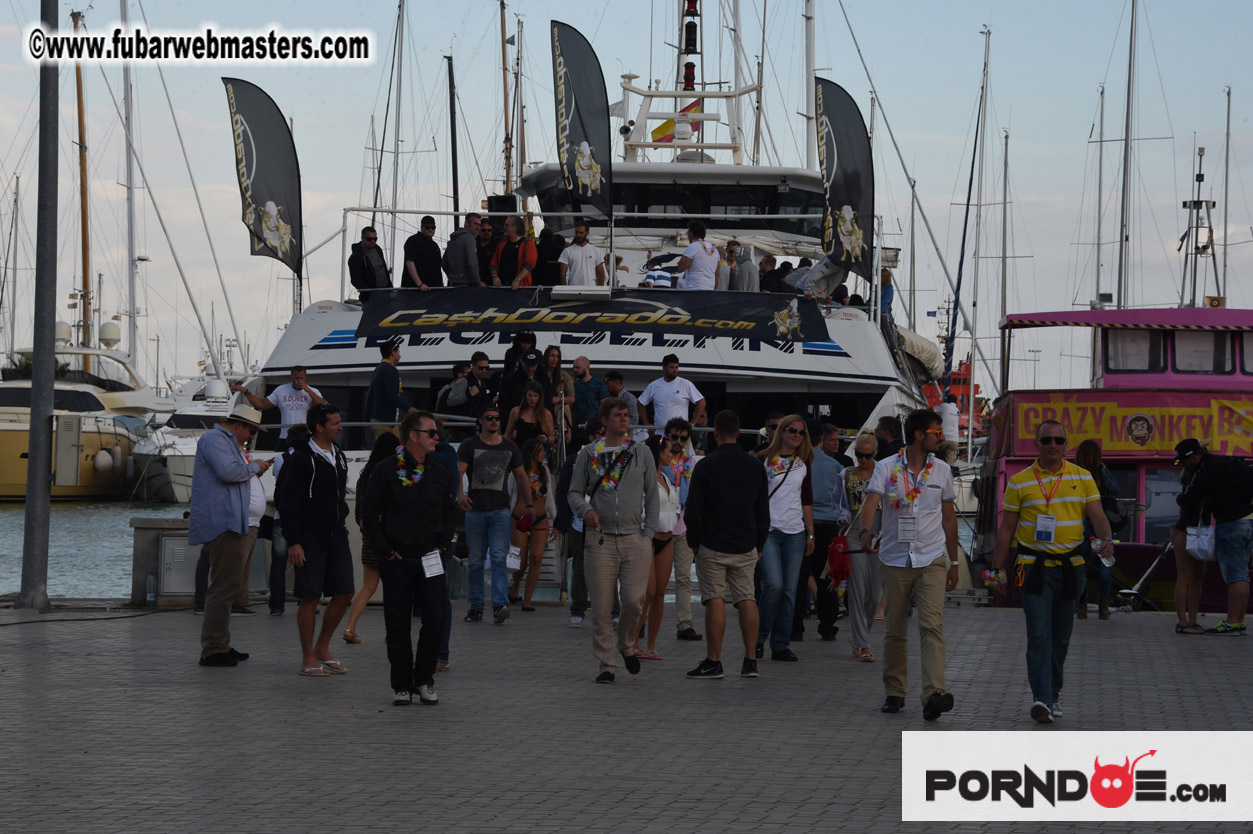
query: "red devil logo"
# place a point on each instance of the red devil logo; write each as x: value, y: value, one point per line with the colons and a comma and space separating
x: 1111, y: 785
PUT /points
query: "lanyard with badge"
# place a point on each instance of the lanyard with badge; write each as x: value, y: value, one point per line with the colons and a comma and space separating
x: 907, y: 522
x: 1046, y: 523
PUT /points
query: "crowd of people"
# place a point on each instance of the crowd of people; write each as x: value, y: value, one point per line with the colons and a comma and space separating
x: 477, y: 255
x: 776, y: 528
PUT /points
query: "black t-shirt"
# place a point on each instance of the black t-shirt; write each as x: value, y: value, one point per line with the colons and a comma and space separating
x: 547, y: 269
x: 488, y: 469
x: 425, y: 255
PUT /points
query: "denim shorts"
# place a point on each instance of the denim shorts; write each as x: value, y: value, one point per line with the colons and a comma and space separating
x: 1234, y: 542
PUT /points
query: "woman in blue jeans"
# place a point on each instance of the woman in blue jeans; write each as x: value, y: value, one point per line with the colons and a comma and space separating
x: 788, y: 461
x: 1088, y: 455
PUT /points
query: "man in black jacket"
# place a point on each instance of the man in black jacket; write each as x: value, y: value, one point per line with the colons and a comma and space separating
x: 1220, y: 485
x: 366, y: 267
x: 422, y: 258
x: 728, y: 517
x: 409, y: 518
x: 313, y: 509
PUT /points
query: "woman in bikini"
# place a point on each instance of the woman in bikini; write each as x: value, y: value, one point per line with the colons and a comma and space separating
x: 670, y: 472
x: 531, y: 545
x: 532, y: 418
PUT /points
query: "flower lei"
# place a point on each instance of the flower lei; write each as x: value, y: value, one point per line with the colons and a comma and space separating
x: 609, y: 480
x: 996, y: 579
x: 681, y: 467
x: 403, y: 474
x: 536, y: 487
x: 777, y: 465
x: 894, y: 482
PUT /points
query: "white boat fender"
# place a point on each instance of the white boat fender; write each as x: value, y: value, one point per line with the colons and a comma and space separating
x: 104, y: 460
x: 130, y: 467
x: 117, y: 456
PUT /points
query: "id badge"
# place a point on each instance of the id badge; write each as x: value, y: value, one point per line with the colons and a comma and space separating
x: 907, y: 529
x: 432, y: 565
x: 1045, y: 528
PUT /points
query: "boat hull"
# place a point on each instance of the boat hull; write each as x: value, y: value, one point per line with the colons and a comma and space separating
x: 117, y: 481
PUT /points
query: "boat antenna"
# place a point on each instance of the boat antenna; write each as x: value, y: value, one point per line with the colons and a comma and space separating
x: 1124, y: 232
x: 1222, y: 285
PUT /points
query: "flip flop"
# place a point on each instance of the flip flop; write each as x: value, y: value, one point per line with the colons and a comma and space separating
x: 333, y: 667
x: 350, y: 636
x: 315, y: 672
x: 867, y: 657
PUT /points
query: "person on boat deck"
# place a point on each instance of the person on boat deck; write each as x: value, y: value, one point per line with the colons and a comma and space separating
x: 1043, y: 511
x: 775, y: 279
x: 460, y: 261
x: 699, y: 264
x: 549, y: 249
x: 314, y: 507
x: 728, y: 266
x: 952, y: 432
x: 823, y: 281
x: 422, y: 258
x: 671, y: 396
x: 746, y: 277
x: 515, y: 256
x: 513, y: 385
x: 887, y: 292
x: 582, y: 264
x: 1221, y: 485
x: 484, y: 248
x: 614, y: 490
x: 798, y: 275
x: 384, y: 398
x: 410, y: 521
x: 366, y: 267
x: 918, y: 558
x: 887, y: 433
x: 226, y: 508
x: 292, y: 399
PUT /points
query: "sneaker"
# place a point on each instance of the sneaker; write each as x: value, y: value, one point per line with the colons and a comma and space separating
x: 1041, y: 713
x: 1056, y: 709
x: 749, y: 669
x: 605, y: 677
x: 276, y: 612
x: 784, y: 654
x: 576, y: 621
x: 238, y: 655
x: 198, y: 610
x: 238, y: 610
x: 219, y: 659
x: 473, y: 616
x: 689, y: 633
x: 500, y: 613
x: 938, y: 704
x: 426, y: 694
x: 1225, y: 627
x: 400, y: 699
x: 707, y: 670
x: 441, y: 666
x: 892, y: 704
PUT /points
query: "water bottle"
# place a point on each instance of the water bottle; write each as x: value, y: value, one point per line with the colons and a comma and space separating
x: 152, y: 590
x: 1107, y: 561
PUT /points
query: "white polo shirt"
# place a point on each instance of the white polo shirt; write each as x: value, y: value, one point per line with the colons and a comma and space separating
x: 670, y: 399
x: 930, y: 543
x: 292, y: 405
x: 582, y: 262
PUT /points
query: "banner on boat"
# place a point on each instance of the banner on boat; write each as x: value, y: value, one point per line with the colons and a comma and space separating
x: 765, y: 316
x: 848, y: 177
x: 1142, y: 422
x: 582, y: 108
x: 268, y: 173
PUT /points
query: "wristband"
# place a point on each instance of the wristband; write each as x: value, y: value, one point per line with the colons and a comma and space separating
x: 952, y: 564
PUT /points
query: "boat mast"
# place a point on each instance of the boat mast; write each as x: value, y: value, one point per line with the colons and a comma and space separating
x: 504, y: 79
x: 84, y: 323
x: 517, y: 95
x: 1100, y: 192
x: 761, y: 64
x: 974, y: 278
x: 12, y: 270
x: 132, y: 318
x: 452, y: 130
x: 811, y: 135
x: 736, y: 48
x: 398, y: 259
x: 1222, y: 287
x: 913, y: 259
x: 1124, y: 233
x: 1003, y: 359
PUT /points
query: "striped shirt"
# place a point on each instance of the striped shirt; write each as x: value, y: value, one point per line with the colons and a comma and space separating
x: 1026, y: 495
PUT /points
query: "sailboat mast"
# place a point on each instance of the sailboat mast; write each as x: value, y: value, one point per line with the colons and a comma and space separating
x: 736, y: 49
x: 1222, y: 288
x: 398, y: 260
x: 517, y: 94
x: 913, y: 257
x: 811, y: 107
x: 974, y: 290
x: 132, y: 317
x: 84, y: 322
x: 1124, y: 232
x: 17, y: 188
x: 1100, y: 192
x: 452, y: 130
x: 1003, y: 359
x: 761, y: 63
x: 504, y: 79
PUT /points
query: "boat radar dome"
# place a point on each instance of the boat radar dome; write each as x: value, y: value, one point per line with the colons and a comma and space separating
x: 63, y: 333
x: 110, y: 335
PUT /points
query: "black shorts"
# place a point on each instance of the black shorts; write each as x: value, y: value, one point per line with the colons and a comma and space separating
x: 327, y: 570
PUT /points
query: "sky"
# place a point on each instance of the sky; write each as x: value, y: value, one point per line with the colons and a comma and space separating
x: 1047, y: 63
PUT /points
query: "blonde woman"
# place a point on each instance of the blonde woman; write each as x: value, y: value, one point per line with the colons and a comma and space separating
x: 788, y: 460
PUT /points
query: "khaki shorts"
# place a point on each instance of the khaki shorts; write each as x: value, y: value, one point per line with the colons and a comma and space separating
x: 717, y: 573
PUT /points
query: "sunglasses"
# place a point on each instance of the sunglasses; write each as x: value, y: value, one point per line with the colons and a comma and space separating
x: 371, y: 239
x: 1056, y: 441
x: 865, y: 455
x: 493, y: 417
x: 432, y: 433
x: 678, y: 438
x: 482, y: 367
x: 428, y: 228
x: 934, y: 431
x: 794, y: 430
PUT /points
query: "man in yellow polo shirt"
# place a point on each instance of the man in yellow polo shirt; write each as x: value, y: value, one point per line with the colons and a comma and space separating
x: 1043, y: 511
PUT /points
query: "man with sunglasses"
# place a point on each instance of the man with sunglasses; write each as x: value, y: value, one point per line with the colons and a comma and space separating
x: 422, y: 258
x: 678, y: 433
x: 487, y: 459
x: 366, y: 267
x: 225, y: 513
x: 467, y: 394
x: 1043, y: 511
x: 918, y: 558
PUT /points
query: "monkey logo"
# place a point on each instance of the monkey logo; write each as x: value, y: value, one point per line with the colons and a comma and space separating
x: 1139, y: 429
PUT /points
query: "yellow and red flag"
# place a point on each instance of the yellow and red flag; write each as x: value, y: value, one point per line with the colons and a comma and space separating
x: 664, y: 132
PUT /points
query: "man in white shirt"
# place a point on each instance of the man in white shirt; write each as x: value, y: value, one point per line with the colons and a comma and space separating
x: 293, y: 399
x: 699, y: 264
x: 952, y: 433
x: 918, y: 556
x: 673, y: 396
x: 582, y: 264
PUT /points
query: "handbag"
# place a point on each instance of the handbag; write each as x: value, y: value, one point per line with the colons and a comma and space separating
x: 838, y: 567
x: 1200, y: 543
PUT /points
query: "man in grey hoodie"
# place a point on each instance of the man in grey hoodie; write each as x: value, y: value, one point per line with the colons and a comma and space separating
x: 747, y: 278
x: 461, y: 260
x: 614, y: 490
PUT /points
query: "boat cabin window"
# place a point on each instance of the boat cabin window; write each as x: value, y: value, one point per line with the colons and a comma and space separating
x: 1161, y: 487
x: 1135, y: 351
x: 1246, y: 352
x: 1203, y: 353
x: 185, y: 420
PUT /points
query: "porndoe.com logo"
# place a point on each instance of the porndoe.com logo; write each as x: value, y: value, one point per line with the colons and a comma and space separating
x: 1060, y: 776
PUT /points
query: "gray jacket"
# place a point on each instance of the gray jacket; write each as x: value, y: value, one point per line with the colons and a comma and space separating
x: 747, y: 276
x: 632, y: 505
x: 461, y: 259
